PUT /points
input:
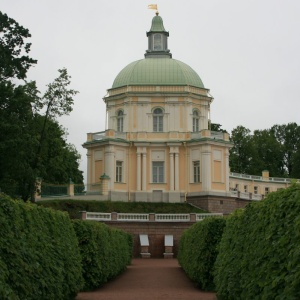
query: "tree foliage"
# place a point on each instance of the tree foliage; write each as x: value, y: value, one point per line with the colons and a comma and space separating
x: 14, y: 61
x: 276, y: 149
x: 216, y: 127
x: 32, y: 144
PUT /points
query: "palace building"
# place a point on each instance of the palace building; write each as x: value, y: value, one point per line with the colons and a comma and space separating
x: 158, y: 146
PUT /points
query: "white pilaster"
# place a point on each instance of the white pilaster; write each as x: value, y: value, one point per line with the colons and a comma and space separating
x: 171, y: 171
x: 176, y: 170
x: 109, y: 165
x: 144, y: 171
x: 206, y: 169
x: 138, y: 171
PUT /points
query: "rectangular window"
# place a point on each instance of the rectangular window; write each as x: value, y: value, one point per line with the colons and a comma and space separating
x: 196, y: 167
x: 119, y: 169
x: 158, y: 172
x: 236, y: 187
x: 158, y: 123
x: 195, y: 125
x: 120, y: 124
x: 267, y: 191
x: 255, y: 190
x: 246, y: 188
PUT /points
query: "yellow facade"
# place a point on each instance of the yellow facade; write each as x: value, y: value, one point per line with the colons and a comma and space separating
x: 157, y: 145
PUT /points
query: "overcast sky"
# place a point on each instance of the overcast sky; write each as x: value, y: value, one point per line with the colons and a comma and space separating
x: 247, y: 52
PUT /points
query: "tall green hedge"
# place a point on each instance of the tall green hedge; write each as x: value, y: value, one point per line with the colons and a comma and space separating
x: 105, y: 251
x: 198, y: 249
x: 39, y: 254
x: 259, y: 254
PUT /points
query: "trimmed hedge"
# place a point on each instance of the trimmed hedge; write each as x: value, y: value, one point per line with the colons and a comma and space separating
x: 260, y: 250
x: 105, y: 251
x: 73, y: 207
x: 39, y: 254
x: 198, y: 249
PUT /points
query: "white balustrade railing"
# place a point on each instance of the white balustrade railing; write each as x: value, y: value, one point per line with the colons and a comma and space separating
x: 132, y: 217
x: 172, y: 217
x: 277, y: 179
x: 256, y: 196
x: 120, y: 135
x: 99, y: 135
x: 98, y: 216
x: 234, y: 193
x: 254, y: 177
x: 217, y: 135
x: 244, y: 195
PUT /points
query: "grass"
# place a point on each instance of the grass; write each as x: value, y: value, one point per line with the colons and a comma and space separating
x: 73, y: 207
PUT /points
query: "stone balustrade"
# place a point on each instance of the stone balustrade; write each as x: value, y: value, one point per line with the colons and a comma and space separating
x: 127, y: 217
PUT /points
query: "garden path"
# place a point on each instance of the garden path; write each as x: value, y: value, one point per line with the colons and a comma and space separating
x: 149, y: 279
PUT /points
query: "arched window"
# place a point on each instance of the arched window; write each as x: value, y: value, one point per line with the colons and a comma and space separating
x: 195, y: 120
x: 120, y: 120
x: 158, y: 120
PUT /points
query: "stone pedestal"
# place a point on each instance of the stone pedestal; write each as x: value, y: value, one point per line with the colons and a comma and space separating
x: 168, y: 246
x: 144, y: 246
x: 104, y: 179
x: 71, y: 189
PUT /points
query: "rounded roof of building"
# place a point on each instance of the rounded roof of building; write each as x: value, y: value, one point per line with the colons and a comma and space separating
x: 157, y: 71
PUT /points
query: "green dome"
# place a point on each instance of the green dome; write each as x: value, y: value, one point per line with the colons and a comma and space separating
x: 157, y: 71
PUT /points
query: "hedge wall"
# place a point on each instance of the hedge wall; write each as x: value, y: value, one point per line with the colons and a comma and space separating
x: 260, y: 250
x: 105, y: 251
x: 39, y: 254
x: 198, y: 249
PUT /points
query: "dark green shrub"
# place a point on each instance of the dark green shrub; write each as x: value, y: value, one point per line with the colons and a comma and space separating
x: 105, y: 251
x: 198, y: 249
x: 259, y: 251
x: 39, y: 254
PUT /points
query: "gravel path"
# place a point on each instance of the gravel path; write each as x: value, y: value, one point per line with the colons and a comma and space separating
x: 149, y: 279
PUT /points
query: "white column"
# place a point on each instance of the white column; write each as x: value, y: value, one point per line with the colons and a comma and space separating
x: 176, y: 171
x: 109, y: 165
x: 171, y: 171
x: 206, y: 169
x: 144, y: 172
x: 138, y: 171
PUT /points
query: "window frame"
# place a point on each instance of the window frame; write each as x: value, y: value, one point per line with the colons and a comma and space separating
x: 119, y: 171
x: 158, y: 119
x: 196, y: 171
x: 158, y: 172
x: 196, y: 117
x: 120, y: 120
x: 267, y: 190
x: 255, y: 190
